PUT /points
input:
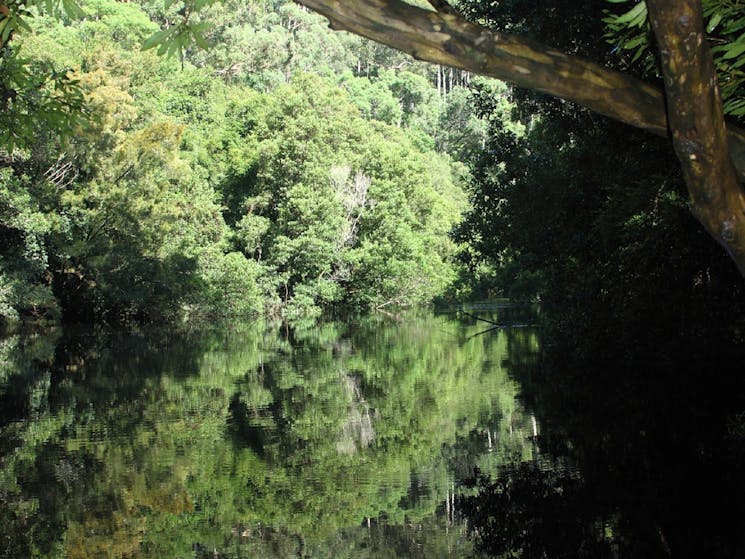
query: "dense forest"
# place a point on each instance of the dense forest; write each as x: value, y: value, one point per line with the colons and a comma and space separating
x: 287, y: 170
x: 170, y: 162
x: 254, y: 161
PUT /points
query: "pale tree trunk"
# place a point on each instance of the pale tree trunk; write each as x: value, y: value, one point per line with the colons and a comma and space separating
x: 712, y: 155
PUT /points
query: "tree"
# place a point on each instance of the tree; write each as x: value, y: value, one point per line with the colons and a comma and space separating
x: 712, y: 155
x: 339, y: 208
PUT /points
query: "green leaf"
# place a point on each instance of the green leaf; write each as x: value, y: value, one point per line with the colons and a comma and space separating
x: 713, y: 22
x: 157, y: 38
x: 734, y: 26
x: 21, y: 24
x: 199, y: 39
x: 633, y: 43
x: 72, y: 9
x: 734, y: 50
x: 640, y: 10
x: 736, y: 108
x: 638, y: 54
x: 5, y: 29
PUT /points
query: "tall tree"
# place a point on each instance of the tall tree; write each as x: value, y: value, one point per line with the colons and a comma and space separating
x: 712, y: 154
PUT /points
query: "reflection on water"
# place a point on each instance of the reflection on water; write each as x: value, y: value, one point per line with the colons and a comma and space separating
x: 642, y: 449
x: 345, y: 440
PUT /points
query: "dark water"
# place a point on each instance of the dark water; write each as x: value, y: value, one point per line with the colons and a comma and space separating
x: 344, y: 440
x: 361, y: 439
x: 642, y: 446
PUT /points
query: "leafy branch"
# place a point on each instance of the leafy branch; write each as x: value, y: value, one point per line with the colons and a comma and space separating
x: 724, y: 20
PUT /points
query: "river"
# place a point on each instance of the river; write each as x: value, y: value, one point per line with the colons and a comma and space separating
x: 255, y: 440
x: 419, y: 435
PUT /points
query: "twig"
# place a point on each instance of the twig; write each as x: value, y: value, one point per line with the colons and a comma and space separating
x: 482, y: 319
x: 497, y: 327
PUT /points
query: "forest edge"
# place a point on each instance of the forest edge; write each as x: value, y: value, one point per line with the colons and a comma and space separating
x: 711, y: 153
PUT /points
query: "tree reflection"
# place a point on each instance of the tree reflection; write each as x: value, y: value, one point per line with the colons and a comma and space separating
x: 341, y: 441
x: 641, y: 443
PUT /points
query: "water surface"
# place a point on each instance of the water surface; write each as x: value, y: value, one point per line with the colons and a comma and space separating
x: 341, y: 440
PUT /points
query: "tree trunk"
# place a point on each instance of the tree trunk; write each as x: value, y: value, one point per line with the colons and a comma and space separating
x: 696, y: 122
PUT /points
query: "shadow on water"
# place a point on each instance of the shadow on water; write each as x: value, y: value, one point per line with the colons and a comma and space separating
x: 91, y: 368
x: 642, y: 452
x: 354, y: 439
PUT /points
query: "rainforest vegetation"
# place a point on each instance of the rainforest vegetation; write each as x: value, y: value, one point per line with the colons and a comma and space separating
x: 287, y: 170
x: 162, y: 161
x: 195, y: 160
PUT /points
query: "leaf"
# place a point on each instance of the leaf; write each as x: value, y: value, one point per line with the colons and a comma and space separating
x: 713, y: 22
x: 633, y: 43
x: 735, y: 108
x: 734, y: 50
x: 734, y: 26
x: 157, y: 38
x: 718, y: 49
x: 199, y: 39
x: 5, y: 30
x: 21, y: 24
x: 638, y: 54
x: 172, y: 48
x: 640, y: 10
x: 72, y: 9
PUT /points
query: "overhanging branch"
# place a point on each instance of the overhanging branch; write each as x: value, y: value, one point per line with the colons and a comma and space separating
x: 451, y: 40
x: 712, y: 155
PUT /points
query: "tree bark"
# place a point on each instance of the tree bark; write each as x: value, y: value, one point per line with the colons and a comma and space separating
x: 450, y: 40
x: 4, y: 13
x: 696, y: 122
x: 444, y: 37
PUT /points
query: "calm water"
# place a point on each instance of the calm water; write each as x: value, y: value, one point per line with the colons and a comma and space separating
x: 362, y: 440
x: 343, y: 440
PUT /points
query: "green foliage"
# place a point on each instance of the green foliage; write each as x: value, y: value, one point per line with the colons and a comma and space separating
x: 725, y: 30
x: 20, y: 12
x: 374, y: 98
x: 340, y: 208
x: 185, y: 191
x: 233, y: 284
x: 25, y: 224
x: 36, y: 100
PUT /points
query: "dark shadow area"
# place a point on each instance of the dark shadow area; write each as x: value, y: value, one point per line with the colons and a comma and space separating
x: 642, y: 448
